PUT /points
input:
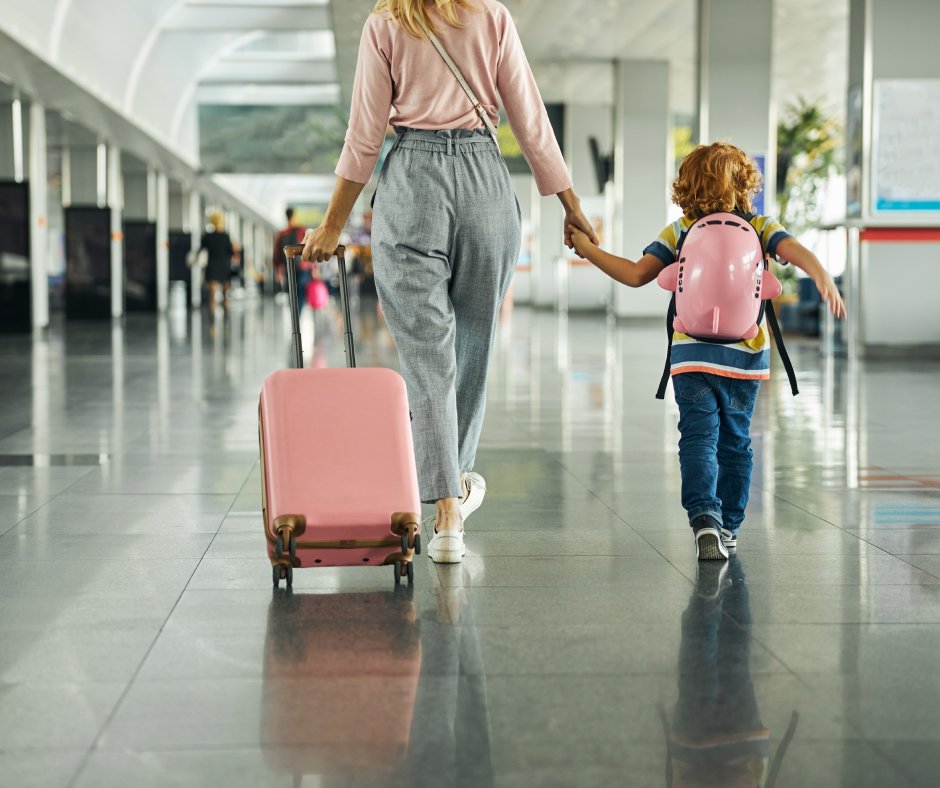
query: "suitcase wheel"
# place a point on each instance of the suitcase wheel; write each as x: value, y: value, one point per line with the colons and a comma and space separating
x: 282, y: 570
x: 397, y: 567
x: 411, y: 537
x: 411, y: 573
x: 291, y: 545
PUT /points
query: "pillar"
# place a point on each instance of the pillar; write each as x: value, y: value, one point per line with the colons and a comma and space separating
x: 162, y: 216
x: 251, y: 259
x: 735, y: 87
x: 116, y: 204
x: 643, y: 164
x: 548, y: 247
x: 84, y: 175
x: 196, y: 227
x: 522, y: 279
x: 38, y: 220
x: 588, y: 288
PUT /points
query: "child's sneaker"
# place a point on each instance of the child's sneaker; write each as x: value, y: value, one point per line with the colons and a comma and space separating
x: 730, y: 540
x: 708, y: 544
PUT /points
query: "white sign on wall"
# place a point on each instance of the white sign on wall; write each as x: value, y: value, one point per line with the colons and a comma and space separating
x: 906, y: 146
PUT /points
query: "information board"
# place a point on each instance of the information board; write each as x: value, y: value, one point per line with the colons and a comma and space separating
x: 905, y: 150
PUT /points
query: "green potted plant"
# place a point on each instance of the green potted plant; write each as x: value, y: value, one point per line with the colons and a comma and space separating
x: 809, y: 145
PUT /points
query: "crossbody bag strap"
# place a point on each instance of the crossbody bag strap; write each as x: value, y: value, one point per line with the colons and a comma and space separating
x: 477, y: 106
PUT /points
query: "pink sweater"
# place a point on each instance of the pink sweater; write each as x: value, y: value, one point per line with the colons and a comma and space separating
x: 405, y: 77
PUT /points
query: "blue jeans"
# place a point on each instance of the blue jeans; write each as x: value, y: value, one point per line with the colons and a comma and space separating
x: 715, y: 444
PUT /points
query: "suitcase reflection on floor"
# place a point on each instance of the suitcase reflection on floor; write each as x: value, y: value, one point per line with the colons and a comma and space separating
x: 362, y: 688
x: 717, y: 736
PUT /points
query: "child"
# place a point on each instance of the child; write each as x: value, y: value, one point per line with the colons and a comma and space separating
x: 715, y: 385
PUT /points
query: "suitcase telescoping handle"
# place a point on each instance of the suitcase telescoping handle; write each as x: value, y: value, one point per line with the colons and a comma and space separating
x: 292, y: 252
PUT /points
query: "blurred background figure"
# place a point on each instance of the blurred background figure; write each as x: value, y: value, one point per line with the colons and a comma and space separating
x: 221, y: 258
x: 360, y: 249
x: 293, y: 233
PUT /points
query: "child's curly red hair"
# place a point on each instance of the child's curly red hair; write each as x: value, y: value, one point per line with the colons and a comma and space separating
x: 716, y: 178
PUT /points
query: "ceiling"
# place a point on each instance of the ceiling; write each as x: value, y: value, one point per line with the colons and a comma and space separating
x: 155, y: 61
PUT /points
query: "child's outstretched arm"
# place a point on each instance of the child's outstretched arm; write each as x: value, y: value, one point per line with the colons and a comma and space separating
x: 627, y: 272
x: 795, y: 253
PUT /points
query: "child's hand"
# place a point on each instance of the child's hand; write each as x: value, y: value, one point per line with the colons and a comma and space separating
x: 579, y: 239
x: 830, y: 294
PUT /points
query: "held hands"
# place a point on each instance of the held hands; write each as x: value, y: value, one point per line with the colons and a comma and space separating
x: 320, y: 244
x: 577, y: 239
x: 576, y: 221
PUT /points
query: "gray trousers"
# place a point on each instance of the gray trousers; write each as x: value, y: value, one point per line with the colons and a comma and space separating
x: 445, y: 240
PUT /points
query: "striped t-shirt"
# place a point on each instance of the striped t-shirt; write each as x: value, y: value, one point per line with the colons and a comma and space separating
x: 749, y: 359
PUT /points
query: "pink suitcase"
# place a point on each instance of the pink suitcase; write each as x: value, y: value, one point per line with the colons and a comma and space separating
x: 338, y: 479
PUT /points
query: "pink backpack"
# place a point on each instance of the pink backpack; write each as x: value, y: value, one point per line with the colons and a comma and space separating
x: 721, y: 287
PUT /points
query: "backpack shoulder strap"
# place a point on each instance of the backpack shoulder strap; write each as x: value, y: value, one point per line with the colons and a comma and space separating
x: 781, y: 347
x: 664, y: 380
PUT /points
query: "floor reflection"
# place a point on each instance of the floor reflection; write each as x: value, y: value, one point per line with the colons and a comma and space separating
x: 361, y: 689
x: 716, y: 737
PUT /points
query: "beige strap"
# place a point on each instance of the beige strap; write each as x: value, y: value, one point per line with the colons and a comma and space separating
x: 480, y: 109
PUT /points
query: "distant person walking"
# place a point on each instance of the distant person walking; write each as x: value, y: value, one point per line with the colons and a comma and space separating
x: 293, y: 233
x: 220, y: 253
x: 446, y: 224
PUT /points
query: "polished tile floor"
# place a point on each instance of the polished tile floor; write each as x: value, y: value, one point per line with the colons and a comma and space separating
x: 578, y: 645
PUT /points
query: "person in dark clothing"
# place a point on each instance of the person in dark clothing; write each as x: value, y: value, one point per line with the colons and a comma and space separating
x: 220, y: 251
x: 292, y: 234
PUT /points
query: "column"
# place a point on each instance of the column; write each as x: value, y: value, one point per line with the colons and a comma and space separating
x: 251, y: 259
x: 643, y: 165
x: 521, y: 290
x: 735, y: 88
x: 84, y: 175
x: 548, y: 247
x: 116, y: 204
x: 267, y: 246
x: 586, y: 127
x: 163, y: 240
x: 38, y: 209
x: 196, y: 226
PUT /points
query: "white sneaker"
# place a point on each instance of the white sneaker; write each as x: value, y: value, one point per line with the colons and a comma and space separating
x: 474, y: 487
x: 447, y: 547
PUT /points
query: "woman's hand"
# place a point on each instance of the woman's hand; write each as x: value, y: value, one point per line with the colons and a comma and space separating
x: 830, y: 294
x: 574, y: 217
x: 579, y: 241
x: 320, y: 244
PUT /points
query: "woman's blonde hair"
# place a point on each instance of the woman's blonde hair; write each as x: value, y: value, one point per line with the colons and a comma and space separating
x: 716, y: 178
x: 217, y: 220
x: 410, y: 13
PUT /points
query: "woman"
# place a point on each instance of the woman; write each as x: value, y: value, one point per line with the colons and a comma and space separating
x: 446, y: 225
x: 220, y: 252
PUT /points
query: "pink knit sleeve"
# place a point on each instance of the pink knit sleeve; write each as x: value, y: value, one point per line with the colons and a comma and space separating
x: 371, y: 107
x: 526, y: 111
